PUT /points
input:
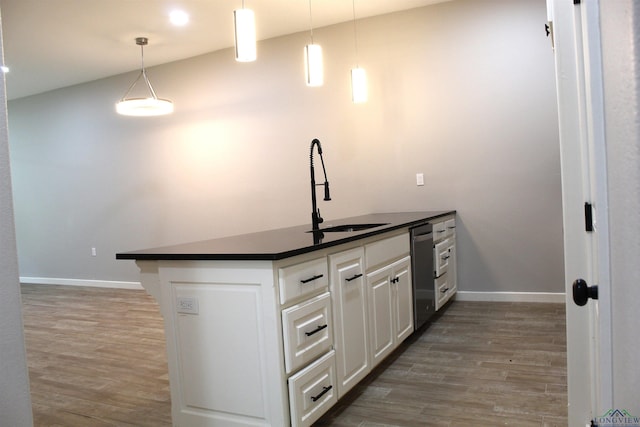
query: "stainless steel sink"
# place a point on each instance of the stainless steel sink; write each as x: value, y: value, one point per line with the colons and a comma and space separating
x: 346, y: 228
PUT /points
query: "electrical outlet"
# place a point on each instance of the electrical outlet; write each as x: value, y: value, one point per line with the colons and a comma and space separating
x: 187, y: 305
x: 419, y: 179
x: 93, y: 252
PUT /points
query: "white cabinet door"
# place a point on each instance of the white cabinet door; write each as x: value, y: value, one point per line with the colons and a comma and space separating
x: 380, y: 314
x: 390, y: 307
x: 403, y: 299
x: 349, y: 295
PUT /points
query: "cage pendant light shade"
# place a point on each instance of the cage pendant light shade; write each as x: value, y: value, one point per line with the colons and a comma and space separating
x: 313, y: 65
x: 245, y: 35
x: 150, y: 105
x: 359, y: 85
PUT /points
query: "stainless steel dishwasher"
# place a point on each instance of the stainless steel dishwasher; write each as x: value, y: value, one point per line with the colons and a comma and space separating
x: 422, y: 273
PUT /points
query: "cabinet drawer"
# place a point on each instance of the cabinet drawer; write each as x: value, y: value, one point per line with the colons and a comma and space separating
x: 441, y: 254
x: 312, y: 391
x: 450, y: 227
x: 443, y: 290
x: 439, y: 231
x: 307, y: 331
x: 303, y: 279
x: 386, y: 251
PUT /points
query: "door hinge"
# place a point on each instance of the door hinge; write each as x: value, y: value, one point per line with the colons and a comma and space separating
x: 548, y: 29
x: 588, y: 217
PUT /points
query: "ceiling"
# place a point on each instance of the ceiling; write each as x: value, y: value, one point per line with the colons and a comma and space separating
x: 49, y: 44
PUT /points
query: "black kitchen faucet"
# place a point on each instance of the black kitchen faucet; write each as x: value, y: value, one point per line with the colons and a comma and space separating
x: 315, y: 214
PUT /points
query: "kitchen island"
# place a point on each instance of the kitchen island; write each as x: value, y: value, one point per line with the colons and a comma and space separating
x: 272, y: 328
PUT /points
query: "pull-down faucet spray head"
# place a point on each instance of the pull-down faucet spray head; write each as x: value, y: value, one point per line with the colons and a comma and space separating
x: 315, y: 214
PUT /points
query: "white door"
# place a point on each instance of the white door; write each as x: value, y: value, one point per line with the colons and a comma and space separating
x: 583, y: 158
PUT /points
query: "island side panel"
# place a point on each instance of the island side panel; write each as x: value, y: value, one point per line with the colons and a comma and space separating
x: 224, y: 346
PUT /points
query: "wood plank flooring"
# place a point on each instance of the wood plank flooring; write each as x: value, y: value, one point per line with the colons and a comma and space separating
x: 478, y: 364
x: 97, y: 358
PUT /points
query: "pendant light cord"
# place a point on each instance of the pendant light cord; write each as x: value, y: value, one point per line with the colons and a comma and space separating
x: 311, y: 21
x: 142, y: 57
x: 355, y: 32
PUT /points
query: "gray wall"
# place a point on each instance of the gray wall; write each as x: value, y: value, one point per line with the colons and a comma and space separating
x: 462, y: 91
x: 15, y: 401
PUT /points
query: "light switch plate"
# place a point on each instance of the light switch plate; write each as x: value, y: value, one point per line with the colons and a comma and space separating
x: 419, y: 179
x: 187, y: 305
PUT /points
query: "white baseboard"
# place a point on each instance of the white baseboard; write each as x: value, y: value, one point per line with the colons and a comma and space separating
x: 511, y: 296
x: 81, y: 282
x: 558, y: 297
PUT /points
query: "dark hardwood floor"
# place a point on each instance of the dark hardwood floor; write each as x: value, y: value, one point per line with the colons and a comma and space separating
x: 97, y: 358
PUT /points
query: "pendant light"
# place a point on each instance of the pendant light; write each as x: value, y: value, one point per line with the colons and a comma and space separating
x: 358, y: 75
x: 245, y: 34
x: 150, y: 106
x: 313, y: 59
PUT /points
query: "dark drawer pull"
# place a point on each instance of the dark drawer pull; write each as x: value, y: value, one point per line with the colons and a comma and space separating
x: 322, y: 393
x: 355, y: 276
x: 446, y: 257
x: 311, y: 279
x: 451, y: 227
x: 395, y: 280
x: 316, y: 330
x: 444, y: 291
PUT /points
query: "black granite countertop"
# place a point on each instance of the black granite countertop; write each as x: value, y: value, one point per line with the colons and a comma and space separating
x: 284, y: 242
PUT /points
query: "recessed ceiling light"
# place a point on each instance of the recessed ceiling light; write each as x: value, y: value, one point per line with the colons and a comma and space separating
x: 179, y: 17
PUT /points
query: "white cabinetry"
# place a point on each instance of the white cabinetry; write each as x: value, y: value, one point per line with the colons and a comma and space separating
x: 350, y: 314
x: 390, y: 307
x: 224, y: 341
x: 276, y: 343
x: 403, y: 299
x: 312, y: 391
x: 390, y: 294
x: 307, y: 332
x: 381, y: 313
x: 444, y: 259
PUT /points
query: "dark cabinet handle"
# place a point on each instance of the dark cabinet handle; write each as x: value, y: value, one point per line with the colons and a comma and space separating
x: 395, y: 280
x: 311, y: 279
x: 316, y: 330
x: 451, y: 227
x: 446, y: 257
x: 322, y: 393
x: 355, y: 276
x: 444, y: 291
